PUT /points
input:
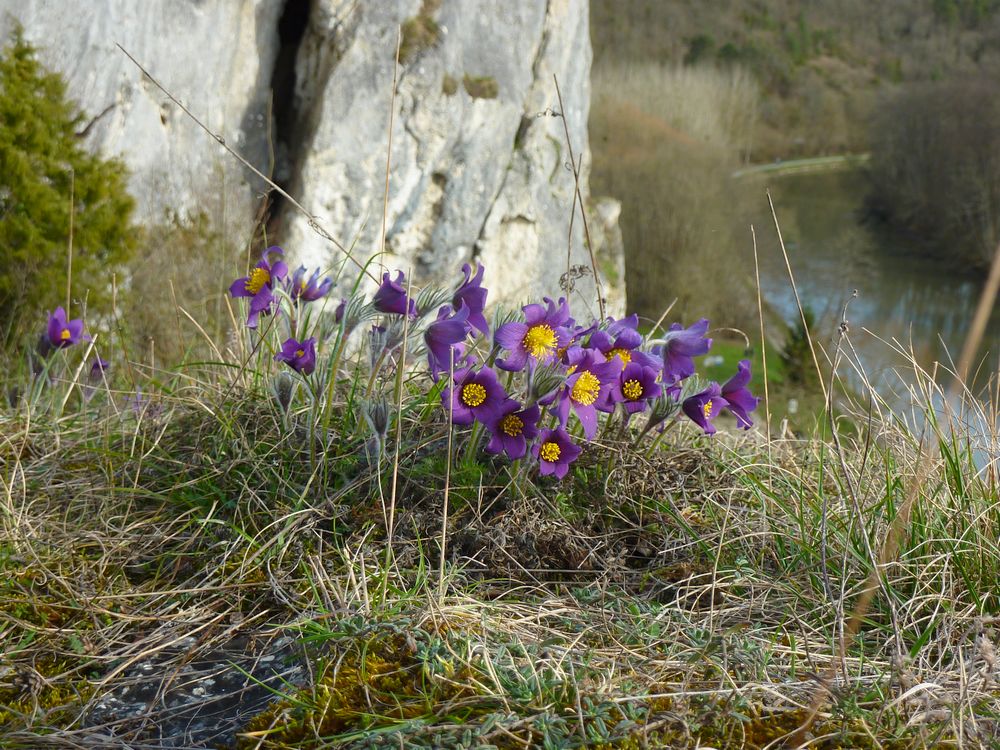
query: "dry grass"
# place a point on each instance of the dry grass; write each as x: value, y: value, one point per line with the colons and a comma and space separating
x: 686, y: 597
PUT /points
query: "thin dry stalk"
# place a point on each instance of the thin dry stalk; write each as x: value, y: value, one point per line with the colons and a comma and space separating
x: 578, y: 196
x: 447, y: 475
x: 763, y: 345
x: 400, y: 370
x: 314, y: 223
x: 388, y: 152
x: 980, y: 319
x: 69, y: 248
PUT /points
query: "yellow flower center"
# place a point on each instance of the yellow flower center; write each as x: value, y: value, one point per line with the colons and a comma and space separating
x: 512, y: 425
x: 586, y: 389
x: 473, y: 394
x: 539, y: 341
x: 300, y: 353
x: 707, y: 409
x: 550, y: 452
x: 65, y: 335
x: 257, y: 279
x: 625, y: 355
x: 632, y: 390
x: 303, y: 285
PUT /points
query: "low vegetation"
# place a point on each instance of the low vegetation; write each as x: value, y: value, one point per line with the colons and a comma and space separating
x: 54, y: 196
x: 935, y: 169
x: 329, y: 532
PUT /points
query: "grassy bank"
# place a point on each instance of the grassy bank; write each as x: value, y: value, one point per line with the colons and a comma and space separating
x: 687, y: 595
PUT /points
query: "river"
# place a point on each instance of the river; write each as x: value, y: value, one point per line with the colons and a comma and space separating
x: 920, y: 303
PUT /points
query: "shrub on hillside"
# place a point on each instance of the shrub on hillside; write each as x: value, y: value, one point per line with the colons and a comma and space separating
x: 43, y: 171
x: 665, y: 142
x: 936, y: 167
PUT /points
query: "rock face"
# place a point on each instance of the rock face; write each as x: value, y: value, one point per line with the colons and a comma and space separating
x: 216, y: 56
x: 479, y: 157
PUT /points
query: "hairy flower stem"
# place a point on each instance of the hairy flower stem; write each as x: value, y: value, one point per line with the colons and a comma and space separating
x: 658, y: 438
x: 375, y: 371
x: 474, y: 440
x: 331, y: 379
x: 620, y: 439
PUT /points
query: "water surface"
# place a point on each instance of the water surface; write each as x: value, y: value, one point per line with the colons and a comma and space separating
x: 924, y: 305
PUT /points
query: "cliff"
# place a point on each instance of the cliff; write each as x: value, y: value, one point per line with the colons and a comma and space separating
x: 479, y: 158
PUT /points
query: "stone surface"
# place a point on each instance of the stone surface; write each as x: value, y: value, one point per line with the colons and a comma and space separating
x: 216, y: 56
x: 479, y: 158
x: 189, y: 696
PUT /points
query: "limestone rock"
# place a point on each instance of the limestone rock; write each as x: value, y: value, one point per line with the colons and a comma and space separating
x: 479, y: 159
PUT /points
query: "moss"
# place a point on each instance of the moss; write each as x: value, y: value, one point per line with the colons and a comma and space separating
x: 481, y: 87
x: 59, y: 699
x: 420, y: 32
x: 377, y: 683
x: 449, y: 86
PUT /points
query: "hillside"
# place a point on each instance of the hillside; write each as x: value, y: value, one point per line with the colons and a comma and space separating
x: 821, y: 65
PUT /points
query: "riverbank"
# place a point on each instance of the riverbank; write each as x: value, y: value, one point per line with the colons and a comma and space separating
x: 780, y: 168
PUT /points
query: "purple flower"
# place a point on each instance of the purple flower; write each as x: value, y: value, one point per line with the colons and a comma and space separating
x: 587, y: 388
x: 300, y: 356
x: 622, y: 339
x: 474, y: 395
x: 442, y: 335
x: 738, y: 398
x: 259, y: 285
x: 62, y: 332
x: 555, y: 452
x: 635, y: 387
x: 539, y: 338
x: 473, y: 295
x: 512, y: 429
x: 391, y: 297
x: 97, y: 369
x: 703, y: 407
x: 338, y: 313
x: 677, y: 348
x: 308, y: 291
x: 143, y: 405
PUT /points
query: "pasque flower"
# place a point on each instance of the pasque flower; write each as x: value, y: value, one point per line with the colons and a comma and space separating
x: 544, y: 332
x: 299, y: 288
x: 391, y: 297
x: 473, y: 295
x: 738, y: 398
x: 97, y: 369
x: 705, y: 406
x: 474, y: 395
x: 299, y: 355
x: 443, y: 335
x: 62, y: 332
x: 635, y: 387
x: 555, y: 451
x: 259, y: 284
x: 622, y: 339
x: 587, y: 389
x: 512, y: 429
x: 678, y: 346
